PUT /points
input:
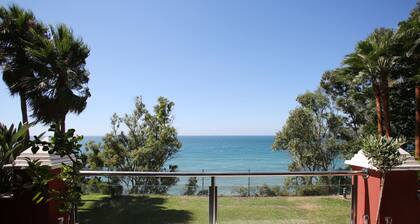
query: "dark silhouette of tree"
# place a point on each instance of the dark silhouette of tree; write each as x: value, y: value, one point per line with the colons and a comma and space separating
x: 60, y: 76
x: 17, y: 27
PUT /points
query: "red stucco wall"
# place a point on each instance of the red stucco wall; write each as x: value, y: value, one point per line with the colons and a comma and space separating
x: 53, y: 211
x: 399, y: 200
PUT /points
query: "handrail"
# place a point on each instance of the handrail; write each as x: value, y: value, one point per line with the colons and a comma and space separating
x: 221, y: 174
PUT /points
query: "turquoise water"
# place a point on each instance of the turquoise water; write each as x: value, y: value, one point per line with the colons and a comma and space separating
x: 230, y: 153
x: 227, y: 153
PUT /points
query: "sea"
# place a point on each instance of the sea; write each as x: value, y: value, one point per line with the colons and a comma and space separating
x: 225, y: 154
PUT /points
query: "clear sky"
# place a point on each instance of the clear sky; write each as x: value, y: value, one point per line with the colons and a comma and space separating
x: 231, y: 67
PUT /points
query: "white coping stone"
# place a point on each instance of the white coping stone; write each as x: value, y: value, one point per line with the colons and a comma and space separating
x: 360, y: 160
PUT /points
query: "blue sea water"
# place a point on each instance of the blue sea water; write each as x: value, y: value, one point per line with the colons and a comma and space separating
x: 226, y: 153
x: 229, y: 153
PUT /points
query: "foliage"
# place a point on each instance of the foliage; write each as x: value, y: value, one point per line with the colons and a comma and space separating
x: 46, y: 67
x: 203, y: 192
x: 384, y: 65
x: 312, y: 190
x: 65, y: 145
x: 313, y: 133
x: 17, y: 27
x: 383, y: 153
x: 92, y: 152
x: 150, y: 141
x: 241, y: 191
x: 191, y: 187
x: 39, y: 177
x: 408, y: 34
x: 373, y: 62
x: 350, y: 97
x: 374, y: 56
x: 12, y: 143
x: 267, y: 191
x: 95, y: 185
x: 60, y: 81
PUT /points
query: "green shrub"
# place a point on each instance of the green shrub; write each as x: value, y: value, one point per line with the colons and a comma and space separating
x: 203, y: 192
x: 382, y: 152
x: 312, y: 190
x: 241, y: 191
x: 267, y: 191
x: 191, y: 186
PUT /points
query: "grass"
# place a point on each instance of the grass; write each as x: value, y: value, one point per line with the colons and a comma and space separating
x: 231, y: 210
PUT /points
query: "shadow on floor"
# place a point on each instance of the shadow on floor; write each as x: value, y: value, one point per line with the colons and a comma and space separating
x: 132, y: 209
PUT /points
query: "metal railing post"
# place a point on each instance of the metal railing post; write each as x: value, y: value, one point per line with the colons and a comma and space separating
x: 213, y: 201
x: 249, y: 183
x: 202, y: 181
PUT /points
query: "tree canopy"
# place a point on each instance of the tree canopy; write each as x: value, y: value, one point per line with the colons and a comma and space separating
x: 313, y: 133
x: 139, y: 141
x: 17, y: 27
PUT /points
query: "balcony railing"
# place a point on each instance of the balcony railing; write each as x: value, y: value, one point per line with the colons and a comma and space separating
x: 212, y: 191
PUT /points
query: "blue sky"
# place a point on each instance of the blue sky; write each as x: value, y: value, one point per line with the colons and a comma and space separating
x: 231, y: 67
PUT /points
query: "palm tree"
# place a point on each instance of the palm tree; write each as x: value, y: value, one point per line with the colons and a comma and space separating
x: 375, y: 61
x: 16, y: 28
x: 61, y: 77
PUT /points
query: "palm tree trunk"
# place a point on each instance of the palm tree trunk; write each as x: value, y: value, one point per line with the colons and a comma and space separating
x: 417, y: 152
x: 63, y: 124
x: 24, y: 110
x: 378, y: 107
x: 385, y: 104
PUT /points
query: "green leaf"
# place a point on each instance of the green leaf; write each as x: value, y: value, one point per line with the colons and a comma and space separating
x: 36, y: 196
x: 21, y: 132
x: 39, y: 200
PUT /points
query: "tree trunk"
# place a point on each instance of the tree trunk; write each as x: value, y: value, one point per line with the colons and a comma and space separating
x: 417, y: 152
x: 378, y: 212
x: 63, y: 124
x: 385, y: 105
x: 378, y: 107
x: 24, y: 110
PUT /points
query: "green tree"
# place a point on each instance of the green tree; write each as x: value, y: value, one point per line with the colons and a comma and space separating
x: 374, y: 60
x: 93, y: 156
x: 315, y: 136
x: 409, y: 37
x: 313, y: 133
x: 141, y: 141
x: 61, y: 76
x: 351, y: 98
x: 16, y: 28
